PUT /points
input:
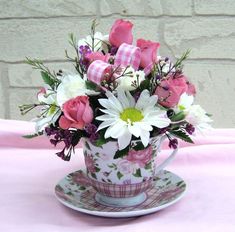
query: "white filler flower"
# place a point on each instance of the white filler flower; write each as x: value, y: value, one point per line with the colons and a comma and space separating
x: 72, y: 86
x: 97, y: 43
x: 50, y: 112
x: 125, y: 117
x: 131, y: 79
x: 195, y: 114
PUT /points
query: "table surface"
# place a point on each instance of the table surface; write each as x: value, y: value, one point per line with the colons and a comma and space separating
x: 29, y: 171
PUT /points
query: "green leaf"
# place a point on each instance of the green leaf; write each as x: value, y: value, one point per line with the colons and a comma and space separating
x: 97, y: 169
x: 121, y: 153
x: 181, y: 135
x: 138, y: 173
x: 32, y: 135
x: 144, y: 84
x: 92, y: 86
x: 101, y: 140
x: 87, y: 145
x: 93, y: 175
x: 179, y: 183
x: 82, y: 188
x: 139, y: 146
x: 119, y: 175
x: 47, y: 79
x: 169, y: 182
x: 178, y: 117
x: 148, y: 166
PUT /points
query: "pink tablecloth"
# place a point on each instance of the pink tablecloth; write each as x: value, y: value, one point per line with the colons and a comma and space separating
x: 29, y: 170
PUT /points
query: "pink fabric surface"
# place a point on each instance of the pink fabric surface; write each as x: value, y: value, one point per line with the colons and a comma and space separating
x: 29, y: 171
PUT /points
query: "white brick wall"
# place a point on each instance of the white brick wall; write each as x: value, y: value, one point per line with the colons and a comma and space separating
x: 39, y: 29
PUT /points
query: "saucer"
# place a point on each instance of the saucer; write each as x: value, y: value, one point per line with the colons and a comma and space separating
x: 168, y: 188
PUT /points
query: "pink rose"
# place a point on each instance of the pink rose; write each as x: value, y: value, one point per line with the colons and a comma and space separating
x: 121, y: 32
x: 191, y: 89
x: 90, y: 163
x: 148, y: 52
x: 170, y: 90
x: 141, y: 157
x: 77, y: 113
x: 97, y: 56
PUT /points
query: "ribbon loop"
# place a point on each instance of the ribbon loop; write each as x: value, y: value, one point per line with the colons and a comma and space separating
x: 97, y: 70
x: 128, y: 55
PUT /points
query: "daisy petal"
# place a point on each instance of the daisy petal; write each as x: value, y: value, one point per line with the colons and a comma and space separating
x: 116, y: 130
x: 105, y: 124
x: 143, y: 100
x: 105, y: 117
x: 122, y: 98
x: 124, y: 140
x: 145, y: 137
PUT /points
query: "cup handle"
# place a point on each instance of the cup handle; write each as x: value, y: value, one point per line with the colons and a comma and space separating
x: 168, y: 160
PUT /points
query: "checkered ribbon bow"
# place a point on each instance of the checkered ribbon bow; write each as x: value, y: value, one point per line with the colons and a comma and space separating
x: 126, y: 55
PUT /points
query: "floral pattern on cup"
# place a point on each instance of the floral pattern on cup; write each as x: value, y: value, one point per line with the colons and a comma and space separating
x: 141, y: 157
x: 90, y: 163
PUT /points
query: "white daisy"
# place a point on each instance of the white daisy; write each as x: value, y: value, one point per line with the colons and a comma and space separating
x: 125, y: 117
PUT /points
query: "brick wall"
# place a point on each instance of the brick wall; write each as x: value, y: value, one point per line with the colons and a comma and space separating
x: 39, y: 29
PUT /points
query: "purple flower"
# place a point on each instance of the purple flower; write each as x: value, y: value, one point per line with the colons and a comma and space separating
x: 190, y: 128
x: 113, y: 50
x: 84, y: 50
x: 173, y: 143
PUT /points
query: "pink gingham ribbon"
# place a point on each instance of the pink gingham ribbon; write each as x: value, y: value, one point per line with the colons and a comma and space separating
x: 97, y: 70
x: 126, y: 55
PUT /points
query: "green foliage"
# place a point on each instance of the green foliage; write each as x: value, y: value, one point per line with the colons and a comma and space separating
x: 145, y: 84
x: 177, y: 117
x: 181, y: 135
x: 139, y: 146
x: 148, y: 165
x: 47, y: 79
x: 92, y: 86
x: 32, y: 135
x: 119, y: 175
x: 138, y: 173
x: 121, y: 153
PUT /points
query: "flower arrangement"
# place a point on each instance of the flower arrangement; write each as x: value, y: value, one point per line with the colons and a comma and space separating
x: 121, y: 91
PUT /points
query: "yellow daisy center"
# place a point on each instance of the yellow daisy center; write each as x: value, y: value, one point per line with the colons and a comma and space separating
x: 131, y: 115
x: 52, y: 109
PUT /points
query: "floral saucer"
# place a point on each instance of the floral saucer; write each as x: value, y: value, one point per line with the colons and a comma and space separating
x: 168, y: 188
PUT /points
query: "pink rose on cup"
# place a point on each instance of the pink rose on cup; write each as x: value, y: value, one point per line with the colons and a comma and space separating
x: 77, y: 113
x: 121, y: 32
x: 141, y: 157
x: 126, y: 167
x: 170, y: 90
x: 148, y: 52
x: 90, y: 163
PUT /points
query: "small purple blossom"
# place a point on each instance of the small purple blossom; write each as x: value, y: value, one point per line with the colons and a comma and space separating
x: 136, y: 96
x: 113, y: 50
x: 190, y: 129
x: 91, y: 130
x: 59, y: 136
x: 173, y: 143
x: 84, y: 50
